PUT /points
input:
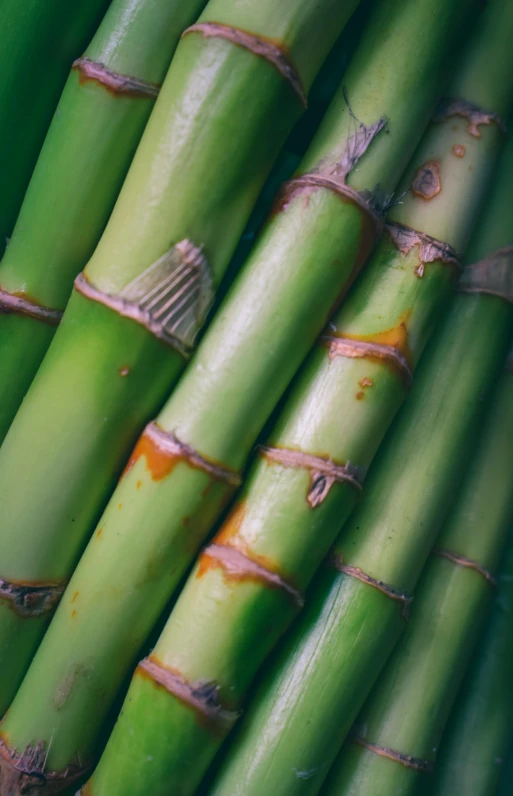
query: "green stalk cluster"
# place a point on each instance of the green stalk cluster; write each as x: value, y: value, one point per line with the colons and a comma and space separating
x: 40, y: 40
x: 475, y: 744
x: 397, y: 734
x: 187, y: 464
x: 249, y: 583
x: 312, y: 692
x: 86, y: 154
x: 135, y: 312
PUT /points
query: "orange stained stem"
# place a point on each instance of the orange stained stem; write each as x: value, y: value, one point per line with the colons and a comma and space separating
x: 395, y: 337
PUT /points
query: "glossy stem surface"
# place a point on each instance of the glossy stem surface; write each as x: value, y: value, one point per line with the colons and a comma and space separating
x: 249, y: 583
x: 94, y: 133
x: 304, y: 259
x: 193, y: 181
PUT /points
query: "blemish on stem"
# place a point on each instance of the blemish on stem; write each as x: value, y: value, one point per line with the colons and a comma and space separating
x: 427, y: 183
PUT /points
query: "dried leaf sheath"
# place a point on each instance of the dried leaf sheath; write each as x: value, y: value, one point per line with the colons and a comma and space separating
x: 188, y: 181
x: 100, y: 118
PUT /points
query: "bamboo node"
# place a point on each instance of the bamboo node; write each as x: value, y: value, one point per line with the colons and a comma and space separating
x: 263, y: 48
x: 340, y: 346
x: 31, y: 600
x: 430, y: 249
x: 492, y: 275
x: 26, y: 773
x: 169, y: 444
x: 474, y: 114
x: 362, y: 200
x: 241, y: 567
x: 171, y: 298
x: 463, y: 561
x: 201, y: 696
x: 19, y: 305
x: 116, y: 83
x: 399, y: 757
x: 324, y: 473
x: 337, y: 561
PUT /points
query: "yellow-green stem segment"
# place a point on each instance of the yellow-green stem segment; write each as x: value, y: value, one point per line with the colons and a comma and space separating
x: 315, y: 686
x: 95, y: 130
x: 131, y: 324
x: 186, y: 466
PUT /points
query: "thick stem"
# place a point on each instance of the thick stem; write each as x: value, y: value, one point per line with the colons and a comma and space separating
x: 183, y: 205
x: 315, y: 687
x: 261, y: 333
x: 92, y: 139
x: 404, y: 717
x: 35, y: 37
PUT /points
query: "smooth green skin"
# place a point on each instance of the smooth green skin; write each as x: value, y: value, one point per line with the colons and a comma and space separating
x: 409, y: 707
x: 188, y: 180
x: 314, y: 688
x: 260, y: 335
x: 475, y: 743
x: 122, y: 403
x: 222, y: 631
x: 90, y: 143
x: 36, y: 36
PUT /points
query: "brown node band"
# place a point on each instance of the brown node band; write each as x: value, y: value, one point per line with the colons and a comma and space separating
x: 120, y: 85
x: 26, y: 773
x: 133, y: 312
x: 263, y: 48
x: 169, y: 444
x: 338, y: 186
x: 474, y: 114
x: 323, y: 472
x: 203, y: 697
x: 398, y: 757
x: 492, y: 275
x: 355, y: 572
x: 18, y: 305
x: 430, y: 249
x: 239, y: 565
x: 346, y: 347
x: 31, y: 600
x: 463, y: 561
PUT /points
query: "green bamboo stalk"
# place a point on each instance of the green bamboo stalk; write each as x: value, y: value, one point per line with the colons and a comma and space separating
x: 397, y: 734
x: 475, y: 743
x: 302, y: 487
x: 91, y: 141
x: 243, y: 366
x: 113, y: 360
x: 40, y: 40
x: 313, y: 690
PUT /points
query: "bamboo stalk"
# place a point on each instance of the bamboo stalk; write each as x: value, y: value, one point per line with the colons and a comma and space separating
x: 475, y: 743
x: 397, y: 734
x: 314, y: 688
x: 92, y: 139
x: 175, y: 486
x: 40, y: 40
x: 126, y: 335
x: 249, y: 582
